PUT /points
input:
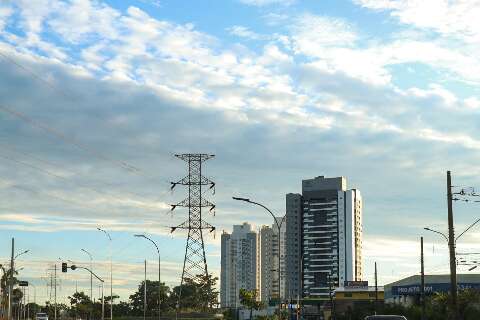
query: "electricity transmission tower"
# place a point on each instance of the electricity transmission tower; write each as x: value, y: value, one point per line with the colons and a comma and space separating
x: 195, y: 263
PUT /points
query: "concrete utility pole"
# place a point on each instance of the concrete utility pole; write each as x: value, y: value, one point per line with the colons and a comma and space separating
x: 422, y: 283
x: 10, y: 282
x: 55, y: 313
x: 332, y: 308
x: 376, y: 288
x: 451, y: 247
x: 145, y: 292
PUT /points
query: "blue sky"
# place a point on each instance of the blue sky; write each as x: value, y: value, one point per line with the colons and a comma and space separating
x: 384, y: 92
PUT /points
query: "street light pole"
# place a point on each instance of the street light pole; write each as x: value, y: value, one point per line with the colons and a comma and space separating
x: 452, y: 244
x: 145, y: 292
x: 279, y: 225
x: 111, y: 271
x: 12, y: 273
x: 91, y: 279
x: 91, y: 276
x: 159, y: 268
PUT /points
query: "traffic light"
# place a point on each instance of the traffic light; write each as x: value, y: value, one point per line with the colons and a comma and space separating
x: 64, y: 267
x: 73, y: 267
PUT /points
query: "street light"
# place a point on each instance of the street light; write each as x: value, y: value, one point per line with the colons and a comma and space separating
x: 10, y: 285
x: 279, y: 225
x: 159, y: 264
x: 91, y: 279
x: 111, y: 271
x: 437, y: 232
x: 18, y: 255
x: 461, y: 234
x: 453, y: 257
x: 91, y: 276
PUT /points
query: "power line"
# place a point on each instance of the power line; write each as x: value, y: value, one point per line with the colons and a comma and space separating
x: 123, y: 164
x: 66, y: 179
x: 57, y: 166
x: 22, y: 116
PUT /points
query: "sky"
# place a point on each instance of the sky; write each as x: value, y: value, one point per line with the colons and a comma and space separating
x: 96, y: 98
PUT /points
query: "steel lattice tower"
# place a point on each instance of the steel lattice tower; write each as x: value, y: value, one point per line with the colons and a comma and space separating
x: 195, y: 263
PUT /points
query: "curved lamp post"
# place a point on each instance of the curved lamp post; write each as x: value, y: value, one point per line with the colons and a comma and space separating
x: 279, y: 225
x: 111, y: 271
x: 159, y: 264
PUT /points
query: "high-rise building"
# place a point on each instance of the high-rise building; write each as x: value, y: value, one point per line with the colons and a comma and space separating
x: 279, y: 292
x: 265, y: 264
x: 323, y: 237
x: 332, y: 235
x: 293, y: 254
x: 267, y: 261
x: 238, y: 264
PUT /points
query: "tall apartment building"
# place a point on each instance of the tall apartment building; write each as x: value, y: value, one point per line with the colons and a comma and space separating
x: 238, y: 264
x: 279, y: 292
x: 332, y: 234
x: 267, y: 261
x: 293, y: 245
x: 323, y: 237
x: 265, y: 264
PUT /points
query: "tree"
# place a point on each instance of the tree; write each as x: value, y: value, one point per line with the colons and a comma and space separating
x: 137, y: 302
x: 249, y: 299
x: 81, y: 305
x: 4, y: 281
x: 207, y: 292
x: 197, y: 294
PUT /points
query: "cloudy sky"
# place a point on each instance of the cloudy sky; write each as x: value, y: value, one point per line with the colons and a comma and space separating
x: 97, y: 96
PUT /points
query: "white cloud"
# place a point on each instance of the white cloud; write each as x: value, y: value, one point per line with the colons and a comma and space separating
x: 244, y: 32
x: 5, y: 13
x: 78, y: 19
x: 261, y: 3
x: 458, y: 19
x: 312, y: 33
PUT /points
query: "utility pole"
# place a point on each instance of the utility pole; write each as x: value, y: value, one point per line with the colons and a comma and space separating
x: 300, y: 291
x: 422, y: 283
x: 10, y: 282
x: 145, y: 292
x: 451, y: 247
x: 55, y: 313
x: 376, y: 288
x: 330, y: 295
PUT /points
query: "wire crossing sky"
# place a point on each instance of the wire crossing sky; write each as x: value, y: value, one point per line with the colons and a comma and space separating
x: 96, y: 98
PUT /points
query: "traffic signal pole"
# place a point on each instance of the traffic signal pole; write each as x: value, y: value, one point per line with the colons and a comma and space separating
x: 74, y: 267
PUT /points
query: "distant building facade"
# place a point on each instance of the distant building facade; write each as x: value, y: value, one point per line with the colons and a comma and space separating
x: 320, y: 239
x: 332, y: 234
x: 407, y: 291
x: 293, y: 254
x: 323, y: 237
x: 265, y: 263
x: 238, y: 264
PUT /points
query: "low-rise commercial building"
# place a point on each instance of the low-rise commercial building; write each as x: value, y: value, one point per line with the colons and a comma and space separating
x: 407, y: 291
x: 355, y: 295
